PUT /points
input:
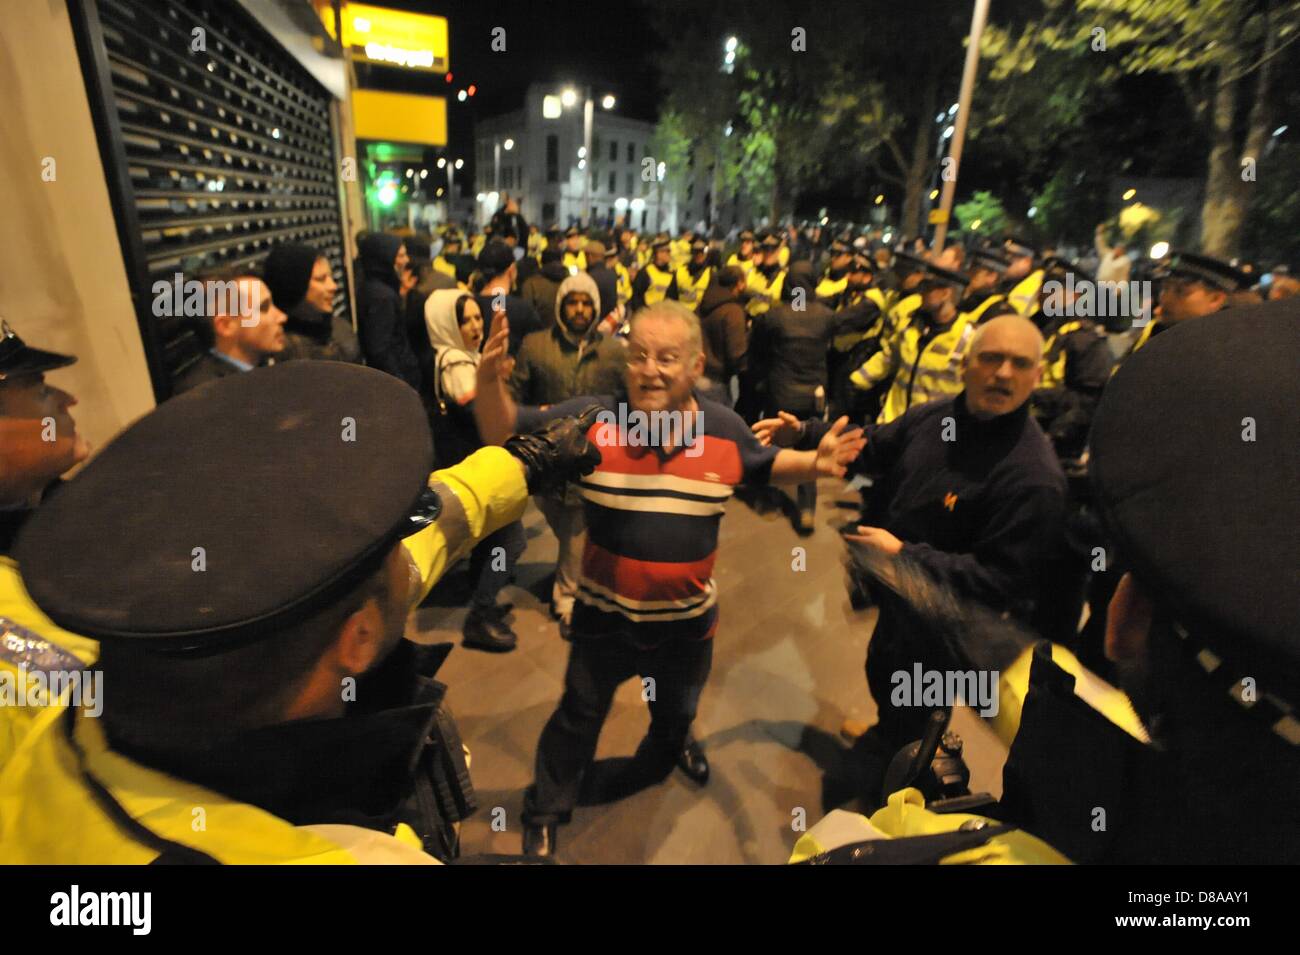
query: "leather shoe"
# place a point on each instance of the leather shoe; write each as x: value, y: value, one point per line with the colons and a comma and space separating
x: 483, y: 631
x: 539, y: 840
x: 692, y: 761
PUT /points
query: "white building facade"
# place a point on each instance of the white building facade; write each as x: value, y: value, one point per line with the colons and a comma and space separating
x: 537, y: 155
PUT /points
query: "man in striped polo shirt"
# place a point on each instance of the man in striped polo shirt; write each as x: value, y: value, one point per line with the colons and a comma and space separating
x: 646, y: 603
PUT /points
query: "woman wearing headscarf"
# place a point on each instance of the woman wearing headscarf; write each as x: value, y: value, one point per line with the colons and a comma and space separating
x: 302, y: 286
x: 455, y: 325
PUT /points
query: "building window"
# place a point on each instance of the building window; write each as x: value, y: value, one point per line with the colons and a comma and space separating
x: 613, y: 186
x: 552, y: 158
x: 548, y: 212
x: 595, y: 147
x: 631, y: 154
x: 613, y: 150
x: 629, y: 184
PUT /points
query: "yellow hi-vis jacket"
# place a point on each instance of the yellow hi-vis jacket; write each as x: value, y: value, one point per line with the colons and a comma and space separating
x: 905, y: 813
x: 924, y: 363
x: 766, y: 293
x: 445, y: 267
x: 660, y: 280
x: 1024, y: 295
x: 624, y: 282
x: 690, y: 291
x: 829, y: 287
x: 847, y: 341
x: 575, y: 262
x: 745, y: 265
x: 680, y: 252
x: 54, y: 758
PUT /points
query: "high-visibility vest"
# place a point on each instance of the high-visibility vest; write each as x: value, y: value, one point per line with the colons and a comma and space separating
x: 660, y: 279
x: 624, y: 282
x: 924, y: 363
x: 691, y: 290
x: 1024, y: 295
x: 477, y: 245
x: 1054, y: 357
x: 746, y: 266
x: 767, y: 293
x: 445, y: 267
x: 784, y: 256
x: 50, y: 811
x: 847, y: 341
x: 829, y: 287
x: 977, y: 313
x: 575, y: 262
x: 680, y: 250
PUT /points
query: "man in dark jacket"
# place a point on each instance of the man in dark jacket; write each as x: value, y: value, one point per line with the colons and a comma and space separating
x: 788, y: 352
x: 568, y: 359
x: 244, y: 331
x: 539, y: 289
x: 380, y: 319
x: 496, y: 263
x: 606, y: 280
x: 969, y: 490
x: 507, y: 221
x: 726, y: 331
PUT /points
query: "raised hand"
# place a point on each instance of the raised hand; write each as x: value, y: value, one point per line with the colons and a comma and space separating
x: 839, y: 448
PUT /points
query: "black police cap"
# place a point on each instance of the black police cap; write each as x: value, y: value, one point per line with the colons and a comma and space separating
x: 1207, y: 518
x: 990, y: 259
x: 905, y: 263
x: 935, y: 277
x: 18, y: 358
x: 295, y: 480
x: 1213, y: 272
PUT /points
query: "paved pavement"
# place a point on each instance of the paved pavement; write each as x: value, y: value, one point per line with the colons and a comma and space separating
x: 787, y: 670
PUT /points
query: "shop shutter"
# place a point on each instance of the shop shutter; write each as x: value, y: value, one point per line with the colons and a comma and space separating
x: 213, y: 156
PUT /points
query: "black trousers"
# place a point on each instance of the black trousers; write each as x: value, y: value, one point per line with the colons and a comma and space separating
x: 597, y: 665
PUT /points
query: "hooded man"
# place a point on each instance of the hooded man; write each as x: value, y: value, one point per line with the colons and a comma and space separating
x: 380, y: 322
x: 726, y: 330
x: 568, y: 359
x: 540, y: 288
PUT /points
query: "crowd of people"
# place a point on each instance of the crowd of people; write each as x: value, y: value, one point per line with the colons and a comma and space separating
x: 978, y: 397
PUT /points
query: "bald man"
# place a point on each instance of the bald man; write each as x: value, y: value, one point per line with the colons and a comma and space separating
x: 966, y: 488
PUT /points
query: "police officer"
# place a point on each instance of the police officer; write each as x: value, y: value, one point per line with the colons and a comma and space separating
x: 767, y: 280
x: 983, y: 294
x: 1076, y: 362
x: 743, y: 257
x: 452, y: 244
x: 1022, y: 279
x: 575, y: 260
x: 860, y: 314
x: 656, y: 281
x: 614, y: 263
x: 1192, y: 286
x: 38, y: 437
x: 694, y: 277
x: 923, y: 359
x: 263, y: 704
x: 836, y: 280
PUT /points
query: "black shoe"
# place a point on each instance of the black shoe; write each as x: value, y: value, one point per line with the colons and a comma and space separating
x: 692, y: 761
x: 539, y: 840
x: 484, y: 631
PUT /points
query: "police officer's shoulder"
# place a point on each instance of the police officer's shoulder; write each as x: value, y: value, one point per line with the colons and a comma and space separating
x: 235, y: 510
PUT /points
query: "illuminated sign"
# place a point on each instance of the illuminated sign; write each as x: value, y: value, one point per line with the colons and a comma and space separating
x: 391, y: 37
x: 400, y: 117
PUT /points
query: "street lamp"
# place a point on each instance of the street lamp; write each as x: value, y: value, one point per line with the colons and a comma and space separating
x: 607, y: 102
x: 509, y: 144
x: 568, y: 97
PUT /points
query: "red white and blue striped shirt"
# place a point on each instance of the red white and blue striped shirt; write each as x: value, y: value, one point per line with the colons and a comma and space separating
x: 652, y: 521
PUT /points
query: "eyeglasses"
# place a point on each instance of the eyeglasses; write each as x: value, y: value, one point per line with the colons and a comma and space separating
x: 993, y: 360
x: 668, y: 363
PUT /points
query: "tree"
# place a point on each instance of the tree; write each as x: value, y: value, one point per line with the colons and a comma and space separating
x: 983, y: 214
x: 1226, y: 57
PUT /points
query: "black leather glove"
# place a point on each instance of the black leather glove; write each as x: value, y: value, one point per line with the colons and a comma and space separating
x: 558, y: 453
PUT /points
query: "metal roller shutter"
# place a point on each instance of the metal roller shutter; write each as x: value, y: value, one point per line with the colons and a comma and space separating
x: 213, y: 156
